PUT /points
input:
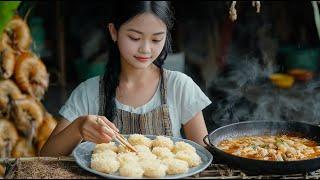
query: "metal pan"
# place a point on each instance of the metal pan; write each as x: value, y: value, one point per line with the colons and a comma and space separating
x: 252, y: 166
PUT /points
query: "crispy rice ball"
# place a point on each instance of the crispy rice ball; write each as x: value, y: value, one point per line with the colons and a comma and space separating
x: 142, y: 148
x: 127, y: 158
x: 146, y: 155
x: 182, y: 146
x: 105, y: 164
x: 130, y: 169
x: 175, y: 166
x: 103, y: 146
x: 139, y: 139
x: 192, y: 158
x: 106, y: 152
x: 154, y: 168
x: 162, y: 152
x: 162, y: 141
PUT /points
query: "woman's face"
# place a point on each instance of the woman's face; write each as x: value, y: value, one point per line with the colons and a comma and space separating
x: 140, y: 40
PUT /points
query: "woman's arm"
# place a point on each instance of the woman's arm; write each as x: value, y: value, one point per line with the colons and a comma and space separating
x: 66, y: 136
x: 63, y: 139
x: 195, y: 129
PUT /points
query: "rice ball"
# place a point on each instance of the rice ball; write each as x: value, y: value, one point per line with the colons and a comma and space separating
x: 146, y: 155
x: 105, y: 164
x: 103, y: 146
x: 162, y: 141
x: 162, y: 152
x: 106, y: 152
x: 131, y: 170
x: 139, y: 139
x: 127, y: 158
x: 182, y: 146
x: 153, y: 169
x: 176, y: 166
x: 142, y: 148
x: 192, y: 158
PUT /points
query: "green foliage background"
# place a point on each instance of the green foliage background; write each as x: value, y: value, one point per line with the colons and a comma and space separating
x: 7, y: 10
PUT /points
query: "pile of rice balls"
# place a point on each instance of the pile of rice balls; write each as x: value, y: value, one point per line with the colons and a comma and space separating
x: 154, y: 159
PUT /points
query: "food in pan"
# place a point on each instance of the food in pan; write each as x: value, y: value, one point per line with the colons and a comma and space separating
x: 272, y: 148
x: 154, y: 158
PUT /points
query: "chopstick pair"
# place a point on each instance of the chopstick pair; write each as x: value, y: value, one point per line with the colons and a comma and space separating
x: 118, y: 137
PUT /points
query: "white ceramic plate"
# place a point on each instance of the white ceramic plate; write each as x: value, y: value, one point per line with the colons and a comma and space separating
x: 82, y: 154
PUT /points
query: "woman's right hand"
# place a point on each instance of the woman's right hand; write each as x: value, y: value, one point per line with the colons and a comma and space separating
x: 90, y: 130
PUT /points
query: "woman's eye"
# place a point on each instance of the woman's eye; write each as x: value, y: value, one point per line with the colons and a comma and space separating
x: 157, y: 41
x: 134, y: 39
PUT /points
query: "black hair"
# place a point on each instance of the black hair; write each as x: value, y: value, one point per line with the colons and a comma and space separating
x: 122, y: 13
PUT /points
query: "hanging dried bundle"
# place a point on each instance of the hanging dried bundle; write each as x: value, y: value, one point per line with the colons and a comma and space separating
x: 233, y: 11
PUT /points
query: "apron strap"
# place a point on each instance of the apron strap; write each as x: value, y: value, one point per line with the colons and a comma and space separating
x: 163, y: 86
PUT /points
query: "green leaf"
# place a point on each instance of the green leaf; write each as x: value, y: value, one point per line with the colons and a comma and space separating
x: 7, y: 11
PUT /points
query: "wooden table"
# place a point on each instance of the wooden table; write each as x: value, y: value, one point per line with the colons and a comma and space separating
x: 67, y: 168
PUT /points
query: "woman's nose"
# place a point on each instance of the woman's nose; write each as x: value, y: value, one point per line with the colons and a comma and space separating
x: 145, y: 48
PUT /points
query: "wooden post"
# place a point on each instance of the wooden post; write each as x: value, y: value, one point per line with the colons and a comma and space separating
x: 61, y: 48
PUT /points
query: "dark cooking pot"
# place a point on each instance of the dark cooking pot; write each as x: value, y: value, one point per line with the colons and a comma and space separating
x: 252, y: 166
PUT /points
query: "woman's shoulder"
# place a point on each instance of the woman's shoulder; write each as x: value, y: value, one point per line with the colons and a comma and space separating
x: 88, y: 85
x: 178, y: 77
x: 91, y: 82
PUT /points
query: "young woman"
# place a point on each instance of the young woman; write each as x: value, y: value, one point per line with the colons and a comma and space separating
x: 135, y: 95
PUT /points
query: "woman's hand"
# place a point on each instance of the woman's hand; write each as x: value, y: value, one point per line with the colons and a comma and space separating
x: 90, y: 130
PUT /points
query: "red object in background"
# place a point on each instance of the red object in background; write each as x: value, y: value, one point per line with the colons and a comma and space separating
x: 300, y: 74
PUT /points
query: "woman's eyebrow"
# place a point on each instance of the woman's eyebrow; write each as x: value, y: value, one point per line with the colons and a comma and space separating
x: 133, y: 30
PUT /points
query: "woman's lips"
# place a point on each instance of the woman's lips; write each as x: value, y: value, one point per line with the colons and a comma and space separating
x: 142, y: 59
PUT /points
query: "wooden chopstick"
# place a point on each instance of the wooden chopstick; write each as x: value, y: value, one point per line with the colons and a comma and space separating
x: 107, y: 130
x: 126, y: 143
x: 121, y: 140
x: 118, y: 137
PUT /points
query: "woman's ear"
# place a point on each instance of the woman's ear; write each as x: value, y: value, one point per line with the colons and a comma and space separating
x: 112, y: 31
